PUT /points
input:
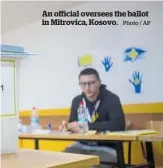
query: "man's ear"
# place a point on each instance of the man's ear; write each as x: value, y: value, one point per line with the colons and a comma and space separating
x: 100, y: 82
x: 99, y: 85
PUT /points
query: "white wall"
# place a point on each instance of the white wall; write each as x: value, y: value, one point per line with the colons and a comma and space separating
x: 51, y: 79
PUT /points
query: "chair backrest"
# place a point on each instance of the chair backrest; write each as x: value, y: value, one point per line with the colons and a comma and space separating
x: 128, y: 124
x: 155, y: 125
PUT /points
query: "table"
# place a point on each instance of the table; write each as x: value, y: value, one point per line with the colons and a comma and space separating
x: 75, y: 136
x: 148, y: 139
x: 118, y: 139
x: 45, y: 159
x: 152, y: 137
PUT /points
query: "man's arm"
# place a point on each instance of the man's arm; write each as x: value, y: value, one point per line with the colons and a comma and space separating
x: 73, y: 113
x: 116, y: 118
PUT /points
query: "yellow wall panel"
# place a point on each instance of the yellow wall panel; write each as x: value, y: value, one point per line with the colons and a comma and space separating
x: 54, y: 145
x: 137, y: 154
x: 125, y: 147
x: 158, y: 153
x: 19, y: 143
x: 28, y: 144
x: 145, y: 108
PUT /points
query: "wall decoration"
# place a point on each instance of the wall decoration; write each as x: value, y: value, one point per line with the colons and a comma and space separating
x: 132, y: 54
x: 8, y: 88
x: 136, y: 82
x: 84, y: 61
x: 107, y: 63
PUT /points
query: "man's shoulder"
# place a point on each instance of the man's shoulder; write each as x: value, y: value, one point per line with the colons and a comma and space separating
x: 111, y: 95
x: 77, y: 99
x: 112, y: 98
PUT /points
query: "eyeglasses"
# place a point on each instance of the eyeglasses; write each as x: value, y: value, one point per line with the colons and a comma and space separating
x: 84, y: 84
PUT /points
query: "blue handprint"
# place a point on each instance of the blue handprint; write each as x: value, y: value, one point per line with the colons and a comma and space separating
x: 107, y: 63
x: 137, y: 81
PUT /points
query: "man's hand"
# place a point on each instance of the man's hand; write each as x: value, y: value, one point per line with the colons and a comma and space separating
x: 63, y: 126
x: 74, y: 127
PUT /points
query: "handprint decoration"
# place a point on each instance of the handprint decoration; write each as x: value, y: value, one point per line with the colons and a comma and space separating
x: 107, y: 63
x: 137, y: 82
x: 132, y: 54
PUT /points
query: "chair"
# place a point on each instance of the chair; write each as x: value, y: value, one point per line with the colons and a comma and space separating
x: 128, y: 124
x: 154, y: 125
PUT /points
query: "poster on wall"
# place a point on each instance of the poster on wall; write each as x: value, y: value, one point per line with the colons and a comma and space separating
x: 85, y: 61
x: 8, y: 97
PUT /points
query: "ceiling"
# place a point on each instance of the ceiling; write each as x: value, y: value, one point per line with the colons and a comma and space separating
x: 15, y: 14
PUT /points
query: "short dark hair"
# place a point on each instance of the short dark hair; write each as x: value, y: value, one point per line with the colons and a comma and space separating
x: 89, y: 71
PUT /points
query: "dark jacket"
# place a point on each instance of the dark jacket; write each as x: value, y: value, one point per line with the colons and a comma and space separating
x: 111, y: 116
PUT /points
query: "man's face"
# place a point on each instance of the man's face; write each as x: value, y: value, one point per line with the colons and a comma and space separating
x: 89, y: 84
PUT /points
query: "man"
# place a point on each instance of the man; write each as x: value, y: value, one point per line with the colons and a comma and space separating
x: 105, y: 110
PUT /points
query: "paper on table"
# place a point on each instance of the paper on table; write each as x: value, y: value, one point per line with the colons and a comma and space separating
x: 46, y: 131
x: 59, y: 132
x: 132, y: 132
x: 92, y: 132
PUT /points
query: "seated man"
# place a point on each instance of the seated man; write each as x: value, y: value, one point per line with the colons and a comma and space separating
x: 104, y: 113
